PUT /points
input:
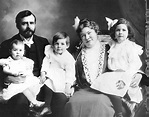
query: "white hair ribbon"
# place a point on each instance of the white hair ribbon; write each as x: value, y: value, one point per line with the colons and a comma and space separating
x: 111, y: 22
x: 76, y: 23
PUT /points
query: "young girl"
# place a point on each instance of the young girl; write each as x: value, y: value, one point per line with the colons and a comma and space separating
x: 124, y: 62
x: 58, y: 68
x: 20, y: 68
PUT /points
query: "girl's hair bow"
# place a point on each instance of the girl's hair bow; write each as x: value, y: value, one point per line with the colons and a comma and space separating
x: 111, y: 22
x: 76, y: 23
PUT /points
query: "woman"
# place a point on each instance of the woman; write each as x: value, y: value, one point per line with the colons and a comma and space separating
x: 90, y: 63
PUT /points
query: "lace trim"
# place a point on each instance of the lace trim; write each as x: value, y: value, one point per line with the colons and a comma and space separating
x: 100, y: 63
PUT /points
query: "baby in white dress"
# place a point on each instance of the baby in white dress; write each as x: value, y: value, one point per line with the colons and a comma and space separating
x: 20, y: 67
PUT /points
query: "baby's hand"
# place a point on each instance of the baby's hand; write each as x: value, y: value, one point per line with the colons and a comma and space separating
x: 120, y: 84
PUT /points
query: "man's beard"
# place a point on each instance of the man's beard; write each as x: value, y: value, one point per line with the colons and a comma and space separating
x: 27, y: 33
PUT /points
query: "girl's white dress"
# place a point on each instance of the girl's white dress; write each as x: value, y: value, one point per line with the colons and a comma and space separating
x: 60, y: 69
x: 24, y: 65
x: 124, y: 56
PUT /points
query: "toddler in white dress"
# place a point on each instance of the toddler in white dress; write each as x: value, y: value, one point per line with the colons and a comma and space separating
x: 58, y: 67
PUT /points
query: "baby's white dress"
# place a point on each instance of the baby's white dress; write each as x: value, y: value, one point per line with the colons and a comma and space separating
x: 30, y: 81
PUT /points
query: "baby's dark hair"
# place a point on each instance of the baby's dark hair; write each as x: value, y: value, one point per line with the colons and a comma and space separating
x: 16, y: 41
x: 131, y: 33
x: 61, y: 35
x: 87, y: 23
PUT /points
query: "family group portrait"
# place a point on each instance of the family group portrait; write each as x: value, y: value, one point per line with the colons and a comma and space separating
x: 74, y: 58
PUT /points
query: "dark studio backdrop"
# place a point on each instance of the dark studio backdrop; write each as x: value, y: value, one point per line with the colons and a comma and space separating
x: 58, y: 15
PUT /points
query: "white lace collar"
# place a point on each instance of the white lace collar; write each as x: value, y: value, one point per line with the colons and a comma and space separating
x: 101, y: 52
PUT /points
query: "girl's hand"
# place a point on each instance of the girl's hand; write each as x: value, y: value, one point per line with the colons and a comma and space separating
x: 22, y: 74
x: 120, y: 84
x: 136, y: 80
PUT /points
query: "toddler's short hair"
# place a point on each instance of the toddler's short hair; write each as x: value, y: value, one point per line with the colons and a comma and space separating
x: 61, y: 35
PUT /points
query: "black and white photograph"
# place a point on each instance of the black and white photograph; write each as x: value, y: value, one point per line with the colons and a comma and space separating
x: 74, y: 58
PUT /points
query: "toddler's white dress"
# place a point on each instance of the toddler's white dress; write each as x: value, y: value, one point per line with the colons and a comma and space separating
x: 60, y: 69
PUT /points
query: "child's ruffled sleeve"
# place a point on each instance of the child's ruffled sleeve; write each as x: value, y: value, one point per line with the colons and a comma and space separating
x: 46, y: 61
x: 45, y: 64
x: 3, y: 62
x: 138, y: 49
x: 47, y: 50
x: 134, y: 57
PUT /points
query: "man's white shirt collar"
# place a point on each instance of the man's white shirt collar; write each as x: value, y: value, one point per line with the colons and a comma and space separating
x: 27, y: 42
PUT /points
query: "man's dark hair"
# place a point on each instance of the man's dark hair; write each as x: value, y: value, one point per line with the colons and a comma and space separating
x: 23, y: 14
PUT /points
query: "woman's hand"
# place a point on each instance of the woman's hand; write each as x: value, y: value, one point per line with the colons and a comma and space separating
x: 69, y: 90
x: 136, y: 80
x: 120, y: 84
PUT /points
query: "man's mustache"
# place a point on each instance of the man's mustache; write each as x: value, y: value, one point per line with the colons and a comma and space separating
x: 28, y: 29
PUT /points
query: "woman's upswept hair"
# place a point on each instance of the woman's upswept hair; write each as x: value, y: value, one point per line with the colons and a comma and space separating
x: 131, y: 33
x: 87, y: 23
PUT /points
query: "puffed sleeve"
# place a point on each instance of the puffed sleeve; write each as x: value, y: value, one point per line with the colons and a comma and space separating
x: 45, y: 64
x: 46, y: 61
x: 135, y: 62
x: 3, y: 62
x: 47, y: 50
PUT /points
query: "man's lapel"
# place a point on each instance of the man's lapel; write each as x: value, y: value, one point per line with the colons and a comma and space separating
x: 38, y: 46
